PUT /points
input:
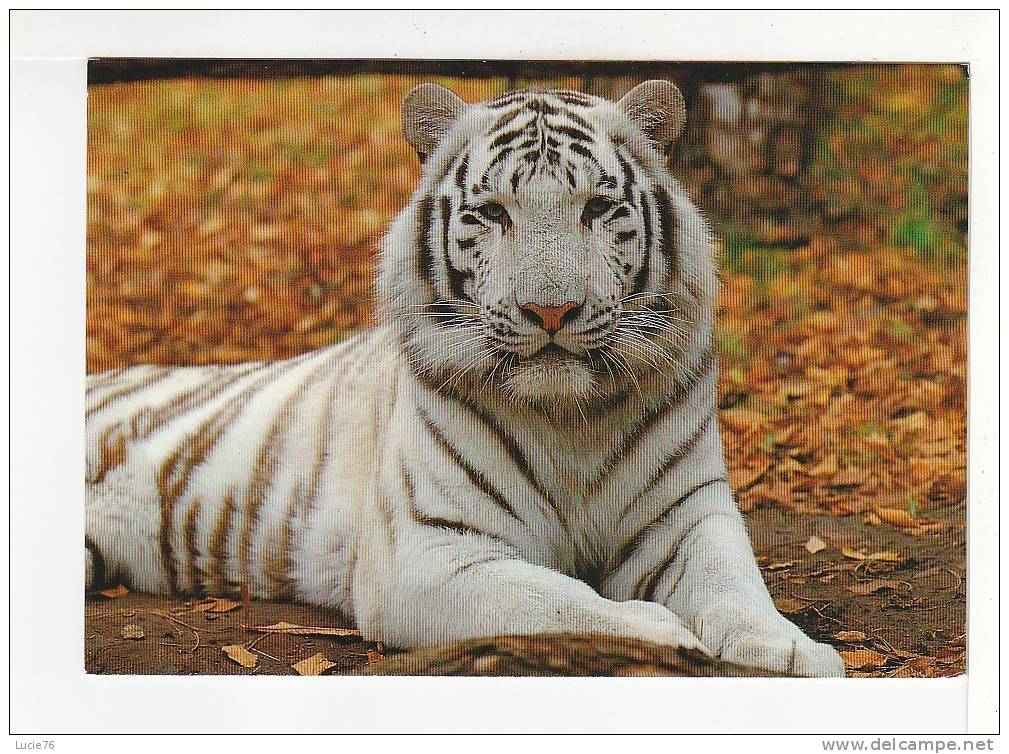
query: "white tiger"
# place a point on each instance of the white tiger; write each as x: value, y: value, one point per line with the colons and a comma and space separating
x: 527, y: 444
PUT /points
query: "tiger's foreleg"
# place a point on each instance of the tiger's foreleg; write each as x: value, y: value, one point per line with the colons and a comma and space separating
x: 701, y: 566
x: 121, y: 539
x: 440, y: 585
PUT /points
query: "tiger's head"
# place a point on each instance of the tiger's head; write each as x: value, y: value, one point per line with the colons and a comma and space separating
x: 547, y: 252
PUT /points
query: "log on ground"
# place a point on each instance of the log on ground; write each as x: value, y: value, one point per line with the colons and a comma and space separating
x: 561, y: 654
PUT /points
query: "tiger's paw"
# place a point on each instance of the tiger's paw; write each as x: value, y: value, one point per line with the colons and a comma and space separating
x: 792, y: 655
x: 653, y: 622
x: 773, y: 644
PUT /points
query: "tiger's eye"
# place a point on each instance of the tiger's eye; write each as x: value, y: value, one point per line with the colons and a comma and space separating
x: 595, y: 207
x: 492, y: 211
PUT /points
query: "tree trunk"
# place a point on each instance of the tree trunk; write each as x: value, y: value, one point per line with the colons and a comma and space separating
x: 556, y: 655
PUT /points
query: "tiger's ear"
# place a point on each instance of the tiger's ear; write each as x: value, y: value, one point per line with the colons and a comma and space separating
x: 657, y: 108
x: 429, y: 110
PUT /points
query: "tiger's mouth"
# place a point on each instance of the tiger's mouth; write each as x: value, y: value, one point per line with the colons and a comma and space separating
x: 551, y: 373
x: 555, y: 351
x: 551, y: 352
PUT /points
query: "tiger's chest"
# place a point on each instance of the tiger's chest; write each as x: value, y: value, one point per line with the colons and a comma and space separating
x: 572, y: 462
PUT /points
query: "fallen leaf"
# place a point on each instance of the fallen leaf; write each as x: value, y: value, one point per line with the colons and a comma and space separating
x: 850, y: 637
x: 241, y: 655
x: 833, y: 377
x: 914, y: 422
x: 115, y: 592
x: 225, y: 606
x: 949, y: 656
x: 789, y: 465
x: 852, y: 505
x: 827, y: 467
x: 292, y: 628
x: 132, y: 631
x: 876, y: 440
x: 794, y: 389
x: 742, y: 419
x: 918, y: 667
x: 935, y: 448
x: 789, y: 606
x: 776, y: 491
x: 863, y: 659
x: 880, y: 444
x: 896, y: 517
x: 815, y: 544
x: 850, y: 477
x: 886, y: 556
x: 745, y: 477
x: 871, y: 587
x: 779, y: 565
x: 317, y: 664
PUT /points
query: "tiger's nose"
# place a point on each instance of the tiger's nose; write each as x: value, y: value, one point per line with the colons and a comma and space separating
x: 551, y: 318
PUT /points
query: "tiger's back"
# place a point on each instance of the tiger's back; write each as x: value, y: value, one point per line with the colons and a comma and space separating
x: 200, y: 479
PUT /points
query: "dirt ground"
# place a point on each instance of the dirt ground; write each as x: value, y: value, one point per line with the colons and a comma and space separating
x: 894, y: 605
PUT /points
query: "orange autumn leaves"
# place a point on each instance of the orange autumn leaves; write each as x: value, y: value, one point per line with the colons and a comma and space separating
x: 236, y: 220
x: 844, y: 382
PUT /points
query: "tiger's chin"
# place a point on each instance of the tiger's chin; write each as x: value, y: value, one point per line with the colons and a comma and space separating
x: 550, y: 379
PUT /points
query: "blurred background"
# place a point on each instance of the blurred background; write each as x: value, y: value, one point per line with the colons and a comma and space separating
x: 234, y: 209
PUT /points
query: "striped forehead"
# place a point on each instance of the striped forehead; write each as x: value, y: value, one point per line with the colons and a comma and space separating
x: 554, y: 134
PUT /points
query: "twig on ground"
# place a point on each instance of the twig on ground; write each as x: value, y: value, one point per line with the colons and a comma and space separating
x: 183, y: 646
x: 265, y: 654
x: 243, y: 590
x: 826, y: 617
x: 173, y: 621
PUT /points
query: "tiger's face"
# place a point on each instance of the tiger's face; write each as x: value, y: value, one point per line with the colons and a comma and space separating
x: 538, y: 255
